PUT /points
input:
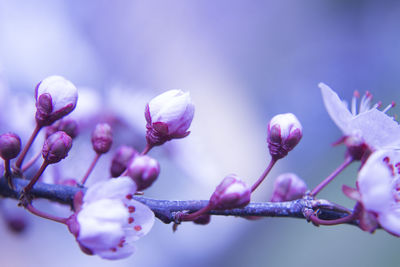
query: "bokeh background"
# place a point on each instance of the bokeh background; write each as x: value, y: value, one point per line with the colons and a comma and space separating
x: 243, y: 62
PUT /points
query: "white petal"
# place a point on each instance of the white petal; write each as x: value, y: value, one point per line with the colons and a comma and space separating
x: 377, y: 129
x: 143, y: 217
x: 120, y: 253
x: 116, y: 188
x: 337, y: 110
x: 62, y: 91
x: 390, y: 221
x: 375, y: 181
x: 100, y: 224
x: 159, y: 101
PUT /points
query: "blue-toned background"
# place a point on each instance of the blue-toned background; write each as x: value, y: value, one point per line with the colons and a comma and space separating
x: 243, y: 62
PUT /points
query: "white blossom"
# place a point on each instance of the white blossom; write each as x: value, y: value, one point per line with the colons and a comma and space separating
x: 373, y: 126
x: 109, y: 220
x: 378, y: 184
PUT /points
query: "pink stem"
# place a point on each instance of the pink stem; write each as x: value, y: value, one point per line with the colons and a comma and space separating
x: 45, y: 215
x: 193, y: 216
x: 146, y: 149
x: 328, y: 179
x: 91, y: 167
x: 21, y: 157
x: 345, y: 219
x: 36, y: 177
x: 7, y: 173
x: 264, y: 174
x: 31, y: 161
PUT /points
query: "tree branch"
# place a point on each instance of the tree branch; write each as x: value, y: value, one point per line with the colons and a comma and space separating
x: 165, y: 210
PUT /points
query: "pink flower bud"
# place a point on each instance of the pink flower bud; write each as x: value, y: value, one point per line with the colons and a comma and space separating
x: 144, y: 170
x: 203, y: 219
x: 10, y: 146
x: 56, y: 147
x: 102, y: 138
x: 55, y: 98
x: 230, y: 193
x: 168, y: 116
x: 69, y: 126
x: 121, y: 160
x: 284, y: 133
x: 287, y: 187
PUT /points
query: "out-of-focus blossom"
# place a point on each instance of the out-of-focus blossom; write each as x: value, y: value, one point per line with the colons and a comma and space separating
x: 56, y: 147
x: 56, y: 97
x: 378, y: 186
x: 284, y: 133
x: 121, y: 160
x: 288, y: 186
x: 144, y: 170
x: 168, y: 116
x: 109, y: 221
x: 230, y: 193
x: 10, y: 146
x: 68, y: 126
x: 369, y: 125
x: 102, y: 138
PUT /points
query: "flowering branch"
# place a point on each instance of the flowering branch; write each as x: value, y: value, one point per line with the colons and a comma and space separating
x: 166, y: 210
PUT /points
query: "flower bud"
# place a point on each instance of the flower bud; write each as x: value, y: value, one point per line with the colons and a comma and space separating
x: 55, y: 98
x: 284, y: 133
x: 144, y: 170
x: 121, y: 160
x: 56, y: 147
x: 102, y: 138
x: 69, y: 126
x: 10, y: 146
x: 287, y: 187
x: 168, y: 116
x: 230, y: 193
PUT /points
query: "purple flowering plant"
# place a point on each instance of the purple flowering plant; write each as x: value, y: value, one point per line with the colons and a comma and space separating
x: 108, y: 216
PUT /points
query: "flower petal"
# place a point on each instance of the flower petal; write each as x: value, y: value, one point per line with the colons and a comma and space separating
x: 337, y: 110
x: 116, y: 188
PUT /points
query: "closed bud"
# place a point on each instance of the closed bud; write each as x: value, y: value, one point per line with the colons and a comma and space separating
x: 230, y: 193
x: 284, y: 133
x: 287, y: 187
x: 56, y: 147
x: 168, y: 116
x: 121, y: 159
x: 55, y: 98
x: 144, y: 170
x: 69, y: 126
x: 10, y: 146
x: 102, y: 138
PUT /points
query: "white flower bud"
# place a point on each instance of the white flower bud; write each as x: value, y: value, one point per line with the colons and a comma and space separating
x: 284, y: 133
x: 55, y: 98
x: 144, y: 170
x: 168, y: 116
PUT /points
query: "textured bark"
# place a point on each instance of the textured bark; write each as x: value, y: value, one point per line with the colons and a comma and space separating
x: 165, y: 210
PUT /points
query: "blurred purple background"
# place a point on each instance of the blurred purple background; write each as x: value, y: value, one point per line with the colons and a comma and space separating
x: 243, y: 62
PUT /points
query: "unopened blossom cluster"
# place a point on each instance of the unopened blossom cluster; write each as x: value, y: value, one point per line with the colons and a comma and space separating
x: 107, y: 218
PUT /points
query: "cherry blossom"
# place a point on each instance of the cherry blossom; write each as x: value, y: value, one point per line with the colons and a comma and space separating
x: 108, y: 220
x: 370, y: 125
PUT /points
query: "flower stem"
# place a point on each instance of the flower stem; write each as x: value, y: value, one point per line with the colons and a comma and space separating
x: 45, y: 215
x: 31, y: 161
x: 7, y: 173
x: 21, y: 157
x: 335, y: 173
x: 36, y: 177
x: 193, y: 216
x: 146, y: 149
x: 91, y: 167
x: 264, y: 174
x: 314, y: 218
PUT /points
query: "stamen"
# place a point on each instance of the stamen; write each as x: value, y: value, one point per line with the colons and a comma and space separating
x: 356, y: 95
x: 389, y: 107
x: 137, y: 228
x: 365, y: 102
